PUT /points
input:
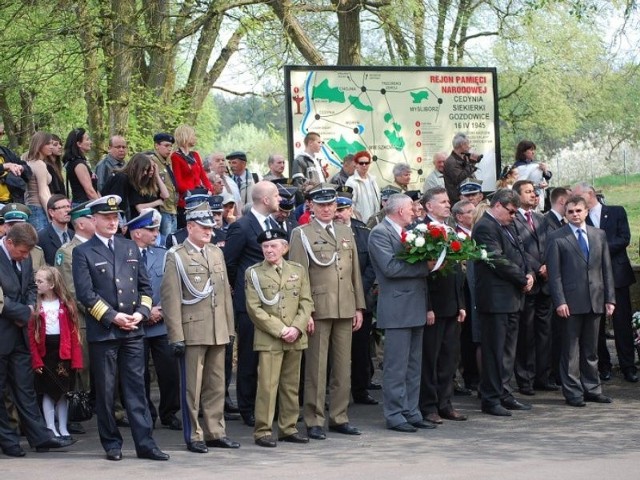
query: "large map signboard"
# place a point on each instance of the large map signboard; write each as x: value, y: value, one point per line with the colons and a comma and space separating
x: 397, y: 114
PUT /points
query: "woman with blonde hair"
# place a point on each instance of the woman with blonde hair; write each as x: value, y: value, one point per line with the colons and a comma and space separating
x: 37, y: 194
x: 187, y: 169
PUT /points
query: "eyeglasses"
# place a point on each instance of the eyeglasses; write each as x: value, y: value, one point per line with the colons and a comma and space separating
x: 364, y: 163
x: 512, y: 211
x: 61, y: 207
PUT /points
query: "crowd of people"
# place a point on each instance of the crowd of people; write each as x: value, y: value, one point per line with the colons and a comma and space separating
x: 169, y: 257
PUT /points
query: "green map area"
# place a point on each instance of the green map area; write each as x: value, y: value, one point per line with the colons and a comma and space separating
x: 393, y: 136
x: 418, y: 97
x: 343, y: 147
x: 355, y: 101
x: 324, y: 92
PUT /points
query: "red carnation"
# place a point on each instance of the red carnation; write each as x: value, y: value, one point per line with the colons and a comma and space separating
x: 403, y: 236
x: 456, y: 246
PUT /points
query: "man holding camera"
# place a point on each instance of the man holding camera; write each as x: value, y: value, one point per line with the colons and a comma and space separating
x: 459, y: 166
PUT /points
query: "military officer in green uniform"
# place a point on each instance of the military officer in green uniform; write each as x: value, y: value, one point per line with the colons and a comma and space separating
x: 198, y: 311
x: 329, y: 251
x: 19, y: 213
x: 279, y: 303
x: 385, y: 193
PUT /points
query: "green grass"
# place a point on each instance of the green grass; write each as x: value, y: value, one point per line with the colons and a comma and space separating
x: 616, y: 192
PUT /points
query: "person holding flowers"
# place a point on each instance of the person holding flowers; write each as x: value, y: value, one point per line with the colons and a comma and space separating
x: 441, y: 337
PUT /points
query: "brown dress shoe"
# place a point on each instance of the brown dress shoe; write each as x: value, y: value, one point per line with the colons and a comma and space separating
x: 453, y: 415
x: 433, y: 418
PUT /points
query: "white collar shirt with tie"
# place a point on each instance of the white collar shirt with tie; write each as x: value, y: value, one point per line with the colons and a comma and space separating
x: 595, y: 214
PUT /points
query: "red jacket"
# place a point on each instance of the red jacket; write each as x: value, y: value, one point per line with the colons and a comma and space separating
x: 70, y: 348
x: 188, y: 176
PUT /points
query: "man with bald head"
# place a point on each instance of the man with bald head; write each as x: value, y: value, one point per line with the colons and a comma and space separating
x: 113, y: 160
x: 241, y: 251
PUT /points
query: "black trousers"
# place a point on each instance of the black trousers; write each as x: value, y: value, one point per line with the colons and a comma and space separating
x: 247, y: 372
x: 623, y: 333
x: 16, y: 374
x: 361, y: 364
x: 124, y: 358
x: 166, y: 368
x: 533, y: 354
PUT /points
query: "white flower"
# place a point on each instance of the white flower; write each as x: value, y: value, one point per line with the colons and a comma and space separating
x: 419, y: 242
x: 410, y: 237
x: 483, y: 254
x: 421, y: 227
x: 462, y: 235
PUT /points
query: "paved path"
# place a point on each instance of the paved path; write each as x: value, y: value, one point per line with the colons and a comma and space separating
x: 553, y: 441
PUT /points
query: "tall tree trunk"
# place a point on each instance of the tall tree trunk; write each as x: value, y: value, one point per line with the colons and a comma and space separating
x: 443, y: 9
x: 349, y: 41
x: 418, y: 32
x: 296, y: 33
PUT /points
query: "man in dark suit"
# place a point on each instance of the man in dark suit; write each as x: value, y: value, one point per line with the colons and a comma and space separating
x: 16, y: 374
x: 240, y: 252
x: 112, y: 284
x: 144, y: 230
x: 613, y: 220
x: 500, y: 290
x: 441, y: 337
x: 533, y: 353
x: 57, y: 232
x: 402, y: 312
x: 582, y: 287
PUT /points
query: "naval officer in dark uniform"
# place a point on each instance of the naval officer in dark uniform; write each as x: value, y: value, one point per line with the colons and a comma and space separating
x: 112, y: 284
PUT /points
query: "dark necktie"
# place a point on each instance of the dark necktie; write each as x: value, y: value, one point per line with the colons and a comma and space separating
x: 14, y: 264
x: 110, y: 244
x: 144, y: 256
x: 583, y: 243
x: 563, y: 221
x: 330, y: 231
x: 279, y: 270
x: 530, y: 221
x: 238, y: 180
x: 65, y: 237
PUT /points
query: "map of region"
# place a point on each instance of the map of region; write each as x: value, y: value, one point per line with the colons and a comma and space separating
x: 396, y: 115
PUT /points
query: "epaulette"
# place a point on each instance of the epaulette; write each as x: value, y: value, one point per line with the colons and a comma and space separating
x: 295, y: 264
x: 359, y: 224
x: 175, y: 248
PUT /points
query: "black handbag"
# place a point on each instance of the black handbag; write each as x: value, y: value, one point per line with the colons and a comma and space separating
x: 80, y: 409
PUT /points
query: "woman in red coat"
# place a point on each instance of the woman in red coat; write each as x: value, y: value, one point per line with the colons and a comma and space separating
x: 187, y: 169
x: 56, y: 353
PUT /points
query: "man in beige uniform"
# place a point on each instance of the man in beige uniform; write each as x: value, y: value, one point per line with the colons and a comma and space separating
x: 196, y: 304
x: 329, y: 251
x: 279, y: 303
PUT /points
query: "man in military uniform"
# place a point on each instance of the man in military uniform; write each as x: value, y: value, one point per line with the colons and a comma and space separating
x: 218, y: 236
x: 144, y: 230
x: 197, y: 308
x: 329, y: 251
x: 85, y: 229
x: 279, y: 304
x: 361, y: 365
x: 14, y: 213
x: 283, y: 217
x: 385, y: 193
x: 112, y: 284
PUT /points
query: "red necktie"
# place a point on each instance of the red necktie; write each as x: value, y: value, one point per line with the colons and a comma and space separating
x: 530, y: 221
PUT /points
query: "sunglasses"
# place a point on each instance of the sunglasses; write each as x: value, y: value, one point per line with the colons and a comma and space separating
x: 512, y: 211
x: 364, y: 163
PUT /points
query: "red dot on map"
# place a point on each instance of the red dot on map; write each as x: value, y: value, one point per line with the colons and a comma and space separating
x: 418, y: 123
x: 419, y: 159
x: 418, y: 144
x: 418, y: 132
x: 296, y: 89
x: 298, y: 144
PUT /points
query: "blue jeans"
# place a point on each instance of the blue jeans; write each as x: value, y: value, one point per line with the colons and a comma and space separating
x: 168, y: 225
x: 38, y: 217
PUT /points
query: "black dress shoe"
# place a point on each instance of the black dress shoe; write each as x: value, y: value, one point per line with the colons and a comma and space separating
x: 54, y: 442
x: 547, y: 387
x: 230, y: 417
x: 197, y: 447
x: 423, y: 425
x: 14, y: 451
x: 374, y: 386
x: 527, y: 391
x: 231, y: 407
x: 154, y: 454
x: 249, y: 419
x: 172, y: 423
x: 496, y: 410
x: 114, y: 454
x: 605, y: 375
x: 317, y: 433
x: 76, y: 428
x: 631, y: 376
x: 365, y: 399
x: 597, y: 398
x: 513, y: 404
x: 266, y: 441
x: 462, y: 391
x: 453, y: 415
x: 575, y: 402
x: 224, y: 442
x: 405, y: 427
x: 345, y: 429
x: 294, y: 438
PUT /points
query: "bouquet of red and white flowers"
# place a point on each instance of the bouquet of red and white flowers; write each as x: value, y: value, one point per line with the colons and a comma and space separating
x: 439, y: 243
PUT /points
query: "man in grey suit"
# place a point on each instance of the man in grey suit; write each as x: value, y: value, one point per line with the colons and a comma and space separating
x: 582, y: 289
x: 402, y: 312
